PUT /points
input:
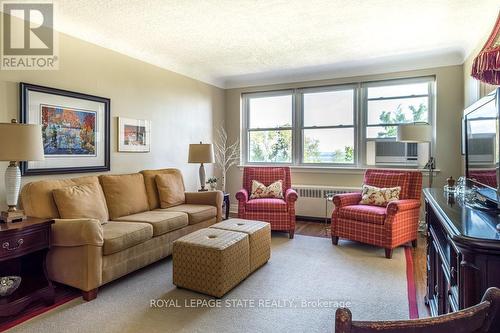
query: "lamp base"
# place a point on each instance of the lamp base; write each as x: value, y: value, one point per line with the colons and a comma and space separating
x: 12, y: 216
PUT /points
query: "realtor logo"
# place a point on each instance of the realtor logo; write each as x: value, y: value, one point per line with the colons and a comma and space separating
x: 28, y: 41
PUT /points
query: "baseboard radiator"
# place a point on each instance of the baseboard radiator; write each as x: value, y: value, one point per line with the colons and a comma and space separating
x: 312, y: 203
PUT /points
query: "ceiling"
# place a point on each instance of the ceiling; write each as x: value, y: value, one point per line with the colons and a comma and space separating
x: 235, y: 43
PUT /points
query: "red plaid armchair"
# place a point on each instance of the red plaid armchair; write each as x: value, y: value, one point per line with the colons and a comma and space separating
x: 280, y: 213
x: 387, y: 227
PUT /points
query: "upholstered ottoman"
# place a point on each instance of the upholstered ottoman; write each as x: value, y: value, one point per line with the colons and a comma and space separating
x: 259, y: 234
x: 211, y: 261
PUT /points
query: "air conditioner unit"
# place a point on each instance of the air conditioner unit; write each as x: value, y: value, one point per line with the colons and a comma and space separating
x: 482, y: 148
x: 393, y: 152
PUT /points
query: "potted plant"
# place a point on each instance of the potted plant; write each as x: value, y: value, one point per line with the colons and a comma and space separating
x: 212, y: 182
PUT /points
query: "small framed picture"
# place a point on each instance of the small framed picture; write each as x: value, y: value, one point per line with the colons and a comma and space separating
x: 75, y: 130
x: 134, y: 135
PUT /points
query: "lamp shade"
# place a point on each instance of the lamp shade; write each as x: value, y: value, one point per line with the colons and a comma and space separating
x: 414, y: 133
x: 20, y: 142
x: 201, y: 153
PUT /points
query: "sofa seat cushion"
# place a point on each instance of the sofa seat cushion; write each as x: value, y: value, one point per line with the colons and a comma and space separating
x: 162, y: 221
x: 266, y: 205
x: 196, y: 213
x: 364, y: 213
x: 119, y: 236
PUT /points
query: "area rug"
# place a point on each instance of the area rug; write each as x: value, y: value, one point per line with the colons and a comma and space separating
x: 298, y: 290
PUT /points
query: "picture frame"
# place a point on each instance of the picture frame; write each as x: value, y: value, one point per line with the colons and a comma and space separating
x: 75, y: 130
x: 134, y: 135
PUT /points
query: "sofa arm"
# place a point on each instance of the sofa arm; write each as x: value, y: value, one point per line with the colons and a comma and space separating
x: 212, y: 198
x: 346, y: 199
x: 77, y: 232
x: 401, y: 205
x: 242, y: 195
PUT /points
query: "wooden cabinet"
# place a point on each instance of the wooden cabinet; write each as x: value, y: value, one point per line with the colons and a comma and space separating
x: 23, y: 248
x: 463, y: 253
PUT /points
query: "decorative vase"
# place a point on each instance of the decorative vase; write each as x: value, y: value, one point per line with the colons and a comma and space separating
x: 213, y: 186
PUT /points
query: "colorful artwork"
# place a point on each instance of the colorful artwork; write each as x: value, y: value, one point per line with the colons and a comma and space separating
x: 67, y: 131
x: 134, y: 135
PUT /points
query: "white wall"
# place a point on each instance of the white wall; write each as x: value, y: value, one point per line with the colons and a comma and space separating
x: 182, y: 110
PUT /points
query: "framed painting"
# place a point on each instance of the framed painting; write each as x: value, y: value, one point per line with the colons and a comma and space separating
x: 75, y: 130
x: 134, y: 135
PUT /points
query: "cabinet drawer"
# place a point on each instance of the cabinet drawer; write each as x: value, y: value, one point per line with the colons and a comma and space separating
x: 23, y: 242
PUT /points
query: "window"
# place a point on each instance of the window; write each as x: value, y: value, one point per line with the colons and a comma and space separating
x: 326, y: 125
x: 391, y: 105
x: 270, y: 119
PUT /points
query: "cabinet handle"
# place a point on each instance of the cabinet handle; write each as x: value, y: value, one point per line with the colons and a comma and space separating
x: 8, y: 247
x: 452, y: 272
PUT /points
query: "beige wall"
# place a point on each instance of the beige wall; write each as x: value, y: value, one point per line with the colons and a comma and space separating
x: 182, y: 110
x: 449, y: 106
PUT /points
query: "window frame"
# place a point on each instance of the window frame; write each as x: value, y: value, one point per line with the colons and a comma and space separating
x: 360, y: 119
x: 245, y: 138
x: 302, y: 127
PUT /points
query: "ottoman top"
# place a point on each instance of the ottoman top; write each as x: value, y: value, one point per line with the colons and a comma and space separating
x: 216, y: 239
x: 241, y: 225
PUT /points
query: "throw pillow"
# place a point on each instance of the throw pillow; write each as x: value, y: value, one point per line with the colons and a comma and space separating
x: 389, y: 179
x: 170, y: 190
x: 81, y: 201
x: 259, y: 190
x: 372, y: 195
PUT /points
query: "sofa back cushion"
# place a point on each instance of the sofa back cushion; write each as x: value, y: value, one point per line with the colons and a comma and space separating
x: 170, y: 189
x: 125, y: 194
x: 37, y: 199
x: 81, y: 201
x: 151, y: 188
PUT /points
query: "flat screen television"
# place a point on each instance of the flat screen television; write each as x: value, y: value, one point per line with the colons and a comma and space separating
x: 482, y: 148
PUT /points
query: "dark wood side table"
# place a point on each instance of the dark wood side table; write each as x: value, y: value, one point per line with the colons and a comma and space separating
x: 23, y: 248
x: 226, y: 204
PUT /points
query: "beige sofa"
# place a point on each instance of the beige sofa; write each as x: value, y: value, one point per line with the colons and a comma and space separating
x: 87, y: 254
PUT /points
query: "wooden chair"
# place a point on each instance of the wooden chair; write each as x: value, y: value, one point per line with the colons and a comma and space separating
x: 481, y: 318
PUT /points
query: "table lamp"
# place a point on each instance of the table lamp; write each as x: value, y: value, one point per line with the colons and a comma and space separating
x: 418, y: 133
x: 201, y: 153
x: 20, y: 142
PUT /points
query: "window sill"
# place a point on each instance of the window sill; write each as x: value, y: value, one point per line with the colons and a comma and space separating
x: 339, y: 170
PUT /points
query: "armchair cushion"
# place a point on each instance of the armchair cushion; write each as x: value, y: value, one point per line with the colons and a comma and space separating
x: 170, y: 189
x: 266, y: 205
x: 389, y: 179
x: 364, y: 213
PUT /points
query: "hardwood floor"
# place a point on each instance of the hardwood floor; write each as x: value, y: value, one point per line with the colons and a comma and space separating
x: 318, y: 229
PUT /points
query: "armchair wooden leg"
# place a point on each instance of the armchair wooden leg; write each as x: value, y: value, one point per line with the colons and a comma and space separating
x: 388, y: 253
x: 335, y: 240
x: 89, y: 295
x: 291, y: 233
x: 414, y: 243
